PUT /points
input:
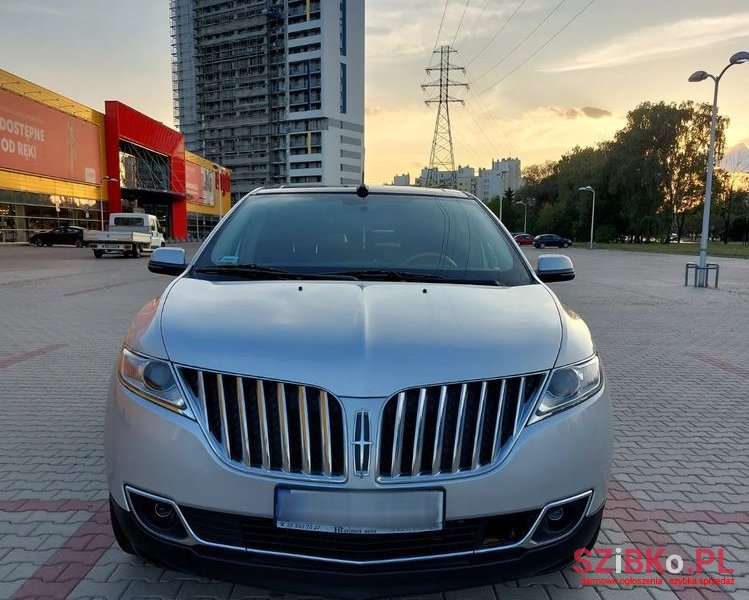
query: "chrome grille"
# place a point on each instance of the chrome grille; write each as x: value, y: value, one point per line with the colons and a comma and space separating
x: 453, y: 429
x: 269, y: 425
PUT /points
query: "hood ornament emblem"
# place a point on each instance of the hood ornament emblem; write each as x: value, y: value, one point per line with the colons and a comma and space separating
x: 362, y: 444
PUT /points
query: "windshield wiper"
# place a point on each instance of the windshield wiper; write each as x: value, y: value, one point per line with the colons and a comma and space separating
x: 388, y: 275
x: 396, y: 275
x: 253, y: 271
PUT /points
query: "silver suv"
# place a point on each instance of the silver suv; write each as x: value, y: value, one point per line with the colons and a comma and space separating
x: 358, y: 392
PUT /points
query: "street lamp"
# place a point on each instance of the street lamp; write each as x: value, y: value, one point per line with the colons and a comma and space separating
x: 104, y: 180
x: 697, y: 76
x: 587, y: 188
x: 525, y: 214
x: 503, y: 175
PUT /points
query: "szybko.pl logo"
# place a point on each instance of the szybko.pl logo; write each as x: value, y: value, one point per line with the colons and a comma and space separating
x: 654, y: 561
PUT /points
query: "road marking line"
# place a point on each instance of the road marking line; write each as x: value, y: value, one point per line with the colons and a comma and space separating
x: 13, y: 360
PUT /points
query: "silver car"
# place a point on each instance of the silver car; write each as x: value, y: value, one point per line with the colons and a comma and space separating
x: 358, y: 392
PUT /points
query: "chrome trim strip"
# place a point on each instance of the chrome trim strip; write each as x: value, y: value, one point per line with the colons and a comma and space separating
x: 283, y: 423
x: 222, y: 411
x: 497, y: 443
x: 201, y: 397
x: 477, y: 437
x: 191, y: 539
x: 459, y: 427
x: 437, y: 455
x: 327, y: 456
x: 524, y: 542
x: 246, y: 459
x: 519, y: 409
x: 304, y: 431
x: 400, y: 422
x: 419, y: 433
x: 263, y: 418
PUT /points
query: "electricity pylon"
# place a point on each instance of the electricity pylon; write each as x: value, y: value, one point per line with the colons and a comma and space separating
x: 442, y: 156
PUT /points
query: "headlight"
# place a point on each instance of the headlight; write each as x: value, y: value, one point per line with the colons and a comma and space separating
x: 569, y: 386
x: 152, y: 379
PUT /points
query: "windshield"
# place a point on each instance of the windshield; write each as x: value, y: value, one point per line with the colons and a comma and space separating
x: 339, y: 233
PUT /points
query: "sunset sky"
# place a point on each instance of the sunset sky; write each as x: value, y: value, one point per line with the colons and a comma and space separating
x: 545, y: 75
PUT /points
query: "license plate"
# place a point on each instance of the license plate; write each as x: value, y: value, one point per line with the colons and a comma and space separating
x: 108, y: 245
x: 360, y: 513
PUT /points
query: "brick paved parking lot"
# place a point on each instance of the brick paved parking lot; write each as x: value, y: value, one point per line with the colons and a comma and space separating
x: 676, y: 358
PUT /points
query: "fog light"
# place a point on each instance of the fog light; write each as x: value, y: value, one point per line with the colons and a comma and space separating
x: 157, y: 515
x: 555, y: 514
x: 560, y: 520
x: 163, y: 511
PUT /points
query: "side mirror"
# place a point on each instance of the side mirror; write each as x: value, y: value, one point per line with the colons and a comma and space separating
x: 167, y: 261
x: 555, y: 267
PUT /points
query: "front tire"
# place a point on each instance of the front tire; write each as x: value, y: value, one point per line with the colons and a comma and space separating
x: 565, y: 245
x: 79, y: 243
x: 98, y: 253
x: 136, y: 253
x: 38, y: 243
x: 542, y: 245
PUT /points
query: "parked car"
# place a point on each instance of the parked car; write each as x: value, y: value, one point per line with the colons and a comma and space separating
x: 69, y: 235
x: 358, y: 393
x: 523, y: 239
x: 550, y: 239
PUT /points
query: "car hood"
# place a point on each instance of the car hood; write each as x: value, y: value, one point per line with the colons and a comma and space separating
x: 361, y: 339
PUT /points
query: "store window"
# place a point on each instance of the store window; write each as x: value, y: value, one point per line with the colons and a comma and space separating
x: 22, y: 214
x: 200, y: 225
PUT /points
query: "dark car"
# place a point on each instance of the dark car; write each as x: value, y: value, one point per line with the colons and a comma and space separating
x: 69, y: 235
x: 523, y: 239
x: 550, y: 239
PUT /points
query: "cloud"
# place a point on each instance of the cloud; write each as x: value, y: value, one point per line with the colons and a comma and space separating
x: 33, y: 8
x: 652, y: 42
x: 595, y: 113
x: 586, y: 111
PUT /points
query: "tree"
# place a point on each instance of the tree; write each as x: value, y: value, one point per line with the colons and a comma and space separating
x: 731, y: 187
x: 660, y: 164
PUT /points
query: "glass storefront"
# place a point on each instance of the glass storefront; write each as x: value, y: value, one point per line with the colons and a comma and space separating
x: 22, y: 214
x: 200, y: 225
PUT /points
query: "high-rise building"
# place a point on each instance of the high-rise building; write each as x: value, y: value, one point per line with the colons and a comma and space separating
x: 274, y: 90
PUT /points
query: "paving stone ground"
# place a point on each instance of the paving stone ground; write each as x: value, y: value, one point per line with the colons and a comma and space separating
x: 676, y: 359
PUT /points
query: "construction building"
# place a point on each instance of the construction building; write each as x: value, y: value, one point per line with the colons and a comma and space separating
x: 274, y: 90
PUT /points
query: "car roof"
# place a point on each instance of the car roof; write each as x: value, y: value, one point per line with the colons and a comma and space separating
x: 401, y: 190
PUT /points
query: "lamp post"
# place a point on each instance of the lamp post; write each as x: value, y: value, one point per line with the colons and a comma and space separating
x: 104, y: 180
x: 587, y: 188
x: 503, y: 175
x: 525, y: 214
x: 697, y: 76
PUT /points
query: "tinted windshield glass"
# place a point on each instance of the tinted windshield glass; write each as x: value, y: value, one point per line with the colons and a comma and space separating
x: 454, y: 238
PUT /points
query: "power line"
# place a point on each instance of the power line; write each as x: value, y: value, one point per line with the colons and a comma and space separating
x: 460, y: 24
x: 484, y: 112
x: 525, y: 39
x: 541, y: 47
x: 439, y: 31
x: 481, y: 15
x: 496, y: 35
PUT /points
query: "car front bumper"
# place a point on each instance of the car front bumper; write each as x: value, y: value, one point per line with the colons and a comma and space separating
x: 151, y: 449
x: 358, y: 582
